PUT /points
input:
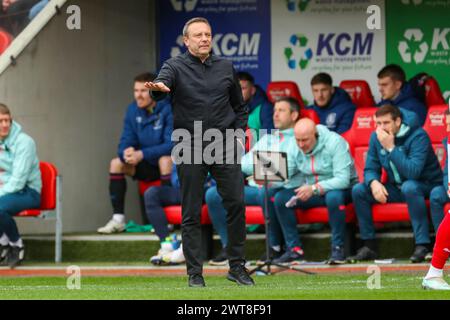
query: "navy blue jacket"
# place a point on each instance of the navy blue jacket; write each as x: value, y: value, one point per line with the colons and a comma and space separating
x: 338, y: 115
x: 266, y: 111
x: 407, y: 100
x: 150, y: 133
x: 413, y: 156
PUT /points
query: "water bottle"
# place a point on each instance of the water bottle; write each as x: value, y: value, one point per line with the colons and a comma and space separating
x: 292, y: 202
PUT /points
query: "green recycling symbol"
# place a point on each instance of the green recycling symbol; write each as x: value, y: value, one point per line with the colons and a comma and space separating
x: 298, y: 41
x: 413, y: 48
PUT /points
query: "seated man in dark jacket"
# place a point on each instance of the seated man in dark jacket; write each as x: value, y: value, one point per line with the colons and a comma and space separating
x: 403, y: 149
x: 144, y: 149
x: 260, y: 110
x: 333, y: 105
x: 396, y: 91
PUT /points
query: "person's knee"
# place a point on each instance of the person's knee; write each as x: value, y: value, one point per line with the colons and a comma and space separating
x: 360, y: 191
x: 165, y: 165
x: 151, y: 196
x: 116, y: 166
x: 438, y: 196
x: 334, y: 199
x: 282, y: 197
x: 410, y: 187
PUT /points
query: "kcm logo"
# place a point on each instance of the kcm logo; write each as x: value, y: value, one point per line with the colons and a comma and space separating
x: 413, y: 47
x: 293, y: 5
x: 228, y: 45
x: 298, y: 54
x: 187, y: 5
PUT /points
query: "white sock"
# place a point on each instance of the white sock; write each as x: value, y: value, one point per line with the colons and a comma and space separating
x: 4, y: 240
x: 434, y: 273
x: 119, y: 218
x: 18, y: 243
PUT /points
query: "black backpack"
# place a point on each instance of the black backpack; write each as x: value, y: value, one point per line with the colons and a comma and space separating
x: 418, y: 85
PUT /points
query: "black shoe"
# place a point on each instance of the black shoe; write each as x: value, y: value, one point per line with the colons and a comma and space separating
x: 196, y: 281
x: 15, y: 256
x: 239, y: 274
x: 420, y: 252
x: 293, y: 256
x: 221, y: 259
x: 3, y: 255
x: 273, y: 255
x: 337, y: 255
x: 363, y: 254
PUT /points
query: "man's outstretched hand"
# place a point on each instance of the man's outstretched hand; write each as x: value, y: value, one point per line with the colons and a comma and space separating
x: 158, y: 86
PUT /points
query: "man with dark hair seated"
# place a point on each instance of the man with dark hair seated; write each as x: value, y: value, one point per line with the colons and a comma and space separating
x: 260, y: 109
x: 403, y: 149
x: 396, y: 91
x: 333, y: 105
x: 144, y: 149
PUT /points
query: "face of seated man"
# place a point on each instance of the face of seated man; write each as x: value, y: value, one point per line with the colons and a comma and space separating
x: 283, y: 118
x: 389, y: 88
x: 305, y: 135
x: 248, y: 90
x: 142, y: 96
x: 388, y: 124
x: 5, y: 126
x: 322, y: 94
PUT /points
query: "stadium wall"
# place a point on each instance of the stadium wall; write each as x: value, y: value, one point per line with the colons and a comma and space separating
x: 69, y: 91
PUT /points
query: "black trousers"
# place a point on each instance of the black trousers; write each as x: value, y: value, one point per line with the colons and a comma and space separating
x: 230, y: 185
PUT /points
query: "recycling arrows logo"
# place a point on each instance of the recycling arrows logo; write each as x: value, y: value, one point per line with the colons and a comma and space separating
x: 298, y: 42
x: 413, y: 48
x: 300, y: 4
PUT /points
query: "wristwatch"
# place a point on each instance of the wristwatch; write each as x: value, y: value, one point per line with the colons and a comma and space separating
x: 315, y: 190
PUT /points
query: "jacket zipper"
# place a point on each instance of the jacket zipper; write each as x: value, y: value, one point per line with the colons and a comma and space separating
x: 316, y: 178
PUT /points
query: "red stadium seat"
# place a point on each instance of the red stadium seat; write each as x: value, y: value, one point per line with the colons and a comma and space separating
x: 311, y: 114
x: 433, y: 93
x: 144, y: 185
x: 280, y: 89
x: 174, y: 216
x: 5, y: 40
x: 436, y: 128
x: 255, y: 215
x: 359, y: 92
x: 50, y: 204
x: 361, y: 130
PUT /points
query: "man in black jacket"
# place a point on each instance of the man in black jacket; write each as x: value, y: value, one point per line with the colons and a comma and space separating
x: 205, y: 95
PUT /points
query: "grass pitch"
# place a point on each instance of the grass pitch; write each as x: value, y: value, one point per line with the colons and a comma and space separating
x: 278, y: 287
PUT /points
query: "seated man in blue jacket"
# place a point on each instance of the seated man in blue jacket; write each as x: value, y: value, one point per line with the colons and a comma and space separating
x: 403, y: 149
x: 20, y: 184
x: 333, y: 105
x: 144, y: 149
x: 396, y: 91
